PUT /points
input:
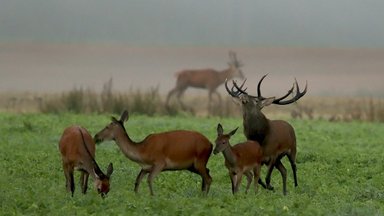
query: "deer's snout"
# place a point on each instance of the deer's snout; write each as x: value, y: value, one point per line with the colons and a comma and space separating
x: 97, y: 139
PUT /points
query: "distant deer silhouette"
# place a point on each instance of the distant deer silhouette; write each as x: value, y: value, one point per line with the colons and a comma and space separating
x: 208, y: 79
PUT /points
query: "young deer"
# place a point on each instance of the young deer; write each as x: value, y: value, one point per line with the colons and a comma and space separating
x: 243, y: 158
x: 77, y: 150
x: 172, y: 150
x: 277, y: 137
x: 208, y: 79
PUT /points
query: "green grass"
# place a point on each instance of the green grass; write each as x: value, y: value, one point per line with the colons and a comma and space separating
x: 340, y: 171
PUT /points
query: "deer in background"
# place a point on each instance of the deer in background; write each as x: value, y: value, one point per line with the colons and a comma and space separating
x: 172, y: 150
x: 208, y: 79
x: 243, y: 158
x: 277, y: 137
x: 77, y: 150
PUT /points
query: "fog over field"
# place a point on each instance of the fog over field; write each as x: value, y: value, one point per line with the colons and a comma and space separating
x: 56, y: 68
x: 54, y: 46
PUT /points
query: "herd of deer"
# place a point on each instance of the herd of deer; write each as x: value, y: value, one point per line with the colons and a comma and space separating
x: 268, y: 141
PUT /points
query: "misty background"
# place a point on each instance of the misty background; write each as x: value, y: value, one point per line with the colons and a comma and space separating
x: 53, y: 45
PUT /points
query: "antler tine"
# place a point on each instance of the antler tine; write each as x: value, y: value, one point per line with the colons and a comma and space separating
x: 232, y: 92
x: 240, y: 89
x: 258, y: 88
x: 295, y: 98
x: 286, y: 95
x: 234, y: 60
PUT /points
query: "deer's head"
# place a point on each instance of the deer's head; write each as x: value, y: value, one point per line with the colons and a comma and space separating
x: 222, y: 140
x: 102, y: 180
x: 235, y: 65
x: 251, y: 102
x: 109, y: 132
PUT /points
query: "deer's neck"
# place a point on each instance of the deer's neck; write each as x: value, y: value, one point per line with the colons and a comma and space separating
x: 229, y: 156
x: 89, y: 166
x: 225, y: 74
x: 129, y: 148
x: 256, y: 125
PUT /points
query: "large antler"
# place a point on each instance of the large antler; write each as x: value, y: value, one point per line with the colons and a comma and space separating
x: 236, y: 91
x: 233, y: 59
x: 232, y: 91
x: 279, y: 100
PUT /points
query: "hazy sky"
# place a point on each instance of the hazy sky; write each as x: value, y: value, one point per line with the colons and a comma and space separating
x: 323, y: 23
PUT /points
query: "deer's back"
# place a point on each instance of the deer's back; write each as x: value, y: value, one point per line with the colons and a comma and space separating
x: 197, y: 78
x: 177, y: 145
x: 71, y: 144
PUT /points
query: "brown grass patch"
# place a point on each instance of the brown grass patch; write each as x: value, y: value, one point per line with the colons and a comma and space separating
x: 151, y: 102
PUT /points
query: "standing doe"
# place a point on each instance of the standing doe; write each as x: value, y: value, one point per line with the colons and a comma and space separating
x: 277, y: 137
x: 77, y: 150
x: 172, y: 150
x: 208, y: 79
x: 243, y: 158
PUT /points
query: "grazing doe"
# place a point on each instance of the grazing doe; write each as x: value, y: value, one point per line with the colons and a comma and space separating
x: 208, y: 79
x: 243, y: 158
x: 277, y: 137
x: 77, y: 150
x: 172, y: 150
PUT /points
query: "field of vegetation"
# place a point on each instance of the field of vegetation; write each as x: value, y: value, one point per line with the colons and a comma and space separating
x: 340, y: 170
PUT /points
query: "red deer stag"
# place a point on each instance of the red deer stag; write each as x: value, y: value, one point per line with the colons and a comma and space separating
x: 243, y: 158
x: 208, y: 79
x: 77, y: 150
x: 277, y: 137
x: 172, y: 150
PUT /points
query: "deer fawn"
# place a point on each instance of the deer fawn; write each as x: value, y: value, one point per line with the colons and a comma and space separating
x: 172, y: 150
x: 208, y: 79
x: 77, y: 150
x: 243, y: 158
x: 277, y: 137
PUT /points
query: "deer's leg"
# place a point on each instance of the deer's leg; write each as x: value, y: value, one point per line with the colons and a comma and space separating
x: 260, y: 182
x: 173, y: 91
x: 68, y: 172
x: 218, y: 97
x: 283, y: 172
x: 139, y: 178
x: 156, y: 169
x: 84, y: 181
x: 232, y: 176
x: 209, y: 102
x: 249, y: 176
x: 203, y: 171
x: 256, y: 176
x: 292, y: 160
x: 238, y: 183
x: 180, y: 93
x: 268, y: 176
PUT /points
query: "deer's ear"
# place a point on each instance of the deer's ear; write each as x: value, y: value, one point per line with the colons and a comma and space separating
x: 267, y: 101
x: 98, y: 173
x: 110, y: 170
x: 114, y: 119
x: 233, y: 132
x: 124, y: 116
x: 219, y: 129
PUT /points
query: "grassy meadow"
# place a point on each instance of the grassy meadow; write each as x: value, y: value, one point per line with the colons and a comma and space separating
x: 340, y: 171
